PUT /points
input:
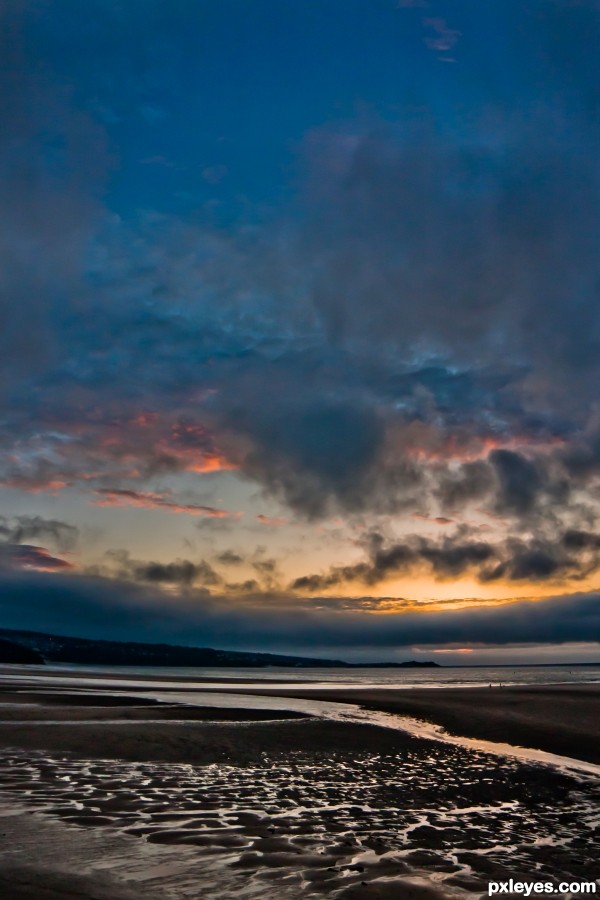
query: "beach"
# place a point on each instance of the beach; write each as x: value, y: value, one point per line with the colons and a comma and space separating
x: 561, y: 719
x: 185, y: 798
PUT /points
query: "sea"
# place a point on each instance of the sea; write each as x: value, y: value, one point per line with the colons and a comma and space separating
x: 442, y: 677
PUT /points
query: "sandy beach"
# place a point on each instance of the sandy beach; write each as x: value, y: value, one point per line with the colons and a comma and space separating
x: 275, y: 803
x: 562, y: 719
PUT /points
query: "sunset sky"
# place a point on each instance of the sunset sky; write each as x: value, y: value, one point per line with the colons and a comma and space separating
x: 299, y: 325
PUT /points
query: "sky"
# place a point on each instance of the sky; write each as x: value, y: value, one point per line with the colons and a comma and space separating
x: 299, y: 325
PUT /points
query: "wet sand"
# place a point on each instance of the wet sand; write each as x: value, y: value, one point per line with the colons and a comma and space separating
x: 200, y: 744
x: 415, y: 820
x: 561, y: 719
x: 109, y: 796
x: 139, y: 729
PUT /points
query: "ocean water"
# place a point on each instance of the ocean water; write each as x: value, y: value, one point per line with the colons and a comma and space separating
x: 451, y: 676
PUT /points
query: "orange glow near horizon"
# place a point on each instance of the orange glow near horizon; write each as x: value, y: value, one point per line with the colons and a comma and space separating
x: 423, y: 590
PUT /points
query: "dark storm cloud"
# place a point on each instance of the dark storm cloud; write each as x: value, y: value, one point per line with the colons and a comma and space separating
x: 573, y: 554
x: 418, y: 324
x: 527, y: 487
x: 27, y: 528
x: 17, y: 553
x: 103, y: 608
x: 581, y: 540
x: 420, y: 228
x: 229, y: 558
x: 445, y: 559
x: 182, y: 572
x: 472, y: 481
x: 307, y: 451
x: 519, y: 482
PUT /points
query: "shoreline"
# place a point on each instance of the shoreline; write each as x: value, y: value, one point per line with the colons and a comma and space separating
x: 559, y: 719
x: 562, y: 719
x: 268, y: 677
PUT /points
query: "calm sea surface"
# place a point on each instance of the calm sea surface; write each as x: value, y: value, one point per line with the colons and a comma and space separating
x: 451, y: 676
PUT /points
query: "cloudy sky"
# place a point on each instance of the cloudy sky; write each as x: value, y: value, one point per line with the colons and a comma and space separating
x: 299, y: 325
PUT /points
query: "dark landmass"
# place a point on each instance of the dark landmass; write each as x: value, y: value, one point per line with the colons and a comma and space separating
x: 17, y: 653
x: 409, y: 664
x: 84, y: 651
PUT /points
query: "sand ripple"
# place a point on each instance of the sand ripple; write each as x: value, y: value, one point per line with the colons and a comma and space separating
x: 348, y: 827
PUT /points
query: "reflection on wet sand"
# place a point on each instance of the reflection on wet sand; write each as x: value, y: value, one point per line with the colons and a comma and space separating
x: 189, y: 794
x: 451, y: 817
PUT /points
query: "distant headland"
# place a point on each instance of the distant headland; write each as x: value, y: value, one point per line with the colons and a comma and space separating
x: 36, y: 647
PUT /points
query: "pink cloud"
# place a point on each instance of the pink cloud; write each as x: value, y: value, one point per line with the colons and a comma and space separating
x: 437, y: 520
x: 270, y: 520
x: 28, y: 556
x: 98, y: 445
x: 147, y: 499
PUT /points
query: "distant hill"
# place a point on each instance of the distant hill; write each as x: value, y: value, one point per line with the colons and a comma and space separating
x: 55, y: 648
x: 11, y: 652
